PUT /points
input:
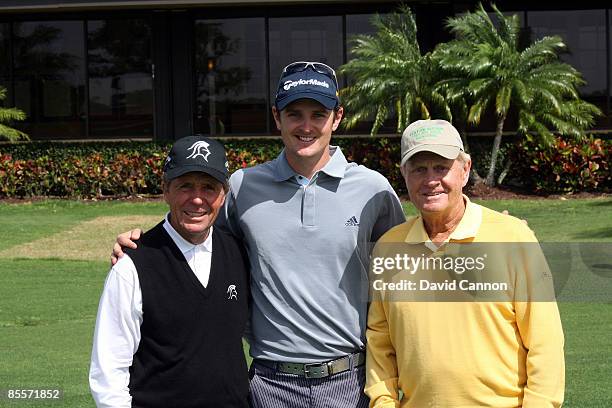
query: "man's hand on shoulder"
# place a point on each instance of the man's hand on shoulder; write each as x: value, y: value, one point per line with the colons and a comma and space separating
x: 505, y: 212
x: 124, y: 240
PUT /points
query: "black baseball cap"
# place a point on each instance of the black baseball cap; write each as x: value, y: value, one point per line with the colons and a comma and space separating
x: 197, y: 153
x: 307, y: 80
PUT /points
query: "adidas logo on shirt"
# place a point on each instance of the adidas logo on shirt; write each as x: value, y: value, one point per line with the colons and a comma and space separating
x: 352, y: 222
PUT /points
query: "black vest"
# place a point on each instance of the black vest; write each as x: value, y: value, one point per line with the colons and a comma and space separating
x: 190, y: 352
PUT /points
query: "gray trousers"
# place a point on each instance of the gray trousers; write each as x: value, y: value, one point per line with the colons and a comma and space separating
x: 273, y: 389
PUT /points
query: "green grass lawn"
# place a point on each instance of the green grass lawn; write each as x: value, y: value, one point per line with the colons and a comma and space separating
x: 28, y: 222
x: 558, y: 220
x: 48, y: 306
x: 47, y: 313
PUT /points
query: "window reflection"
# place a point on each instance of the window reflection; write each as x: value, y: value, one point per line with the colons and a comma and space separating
x: 519, y: 14
x: 608, y: 107
x: 49, y: 78
x: 5, y: 62
x: 304, y: 39
x: 358, y: 24
x: 120, y: 81
x: 584, y: 32
x: 42, y: 66
x: 230, y: 74
x: 361, y: 24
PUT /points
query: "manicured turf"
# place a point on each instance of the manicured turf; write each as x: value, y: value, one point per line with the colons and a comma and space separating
x: 47, y: 315
x: 558, y: 220
x: 27, y: 222
x: 48, y: 306
x: 588, y: 354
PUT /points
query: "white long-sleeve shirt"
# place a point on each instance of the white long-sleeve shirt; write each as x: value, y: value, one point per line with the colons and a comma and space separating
x: 117, y: 332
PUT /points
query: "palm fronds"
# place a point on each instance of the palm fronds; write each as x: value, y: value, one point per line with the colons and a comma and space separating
x: 390, y: 77
x: 7, y: 117
x: 499, y: 76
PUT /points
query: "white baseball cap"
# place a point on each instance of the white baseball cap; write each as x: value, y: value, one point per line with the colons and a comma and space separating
x: 437, y: 136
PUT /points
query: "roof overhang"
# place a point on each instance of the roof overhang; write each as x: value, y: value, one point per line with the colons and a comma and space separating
x: 83, y: 5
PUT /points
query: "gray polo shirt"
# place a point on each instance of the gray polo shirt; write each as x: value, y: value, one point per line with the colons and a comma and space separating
x: 309, y: 248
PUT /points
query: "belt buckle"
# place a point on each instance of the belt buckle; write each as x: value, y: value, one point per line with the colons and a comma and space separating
x: 316, y: 370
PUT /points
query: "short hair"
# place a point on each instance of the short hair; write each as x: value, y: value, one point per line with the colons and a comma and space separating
x: 463, y: 157
x: 166, y: 184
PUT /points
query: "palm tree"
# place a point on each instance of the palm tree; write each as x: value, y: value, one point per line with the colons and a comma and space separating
x: 486, y: 64
x: 453, y: 91
x: 389, y: 75
x: 7, y: 117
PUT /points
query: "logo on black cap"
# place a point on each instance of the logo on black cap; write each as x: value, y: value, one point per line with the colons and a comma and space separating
x: 197, y: 148
x: 197, y: 153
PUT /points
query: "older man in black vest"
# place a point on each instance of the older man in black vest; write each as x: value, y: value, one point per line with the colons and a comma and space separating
x: 172, y: 314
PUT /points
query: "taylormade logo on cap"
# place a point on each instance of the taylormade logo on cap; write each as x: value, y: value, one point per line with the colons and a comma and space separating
x: 290, y: 84
x: 436, y: 136
x: 306, y: 84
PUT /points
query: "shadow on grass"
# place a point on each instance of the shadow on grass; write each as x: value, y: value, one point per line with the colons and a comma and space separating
x: 602, y: 270
x: 600, y: 203
x: 46, y: 259
x: 22, y: 322
x: 605, y: 232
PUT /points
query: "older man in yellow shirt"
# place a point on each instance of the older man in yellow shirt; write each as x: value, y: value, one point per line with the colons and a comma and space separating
x: 457, y: 346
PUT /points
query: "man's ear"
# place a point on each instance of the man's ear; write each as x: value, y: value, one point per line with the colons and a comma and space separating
x: 276, y: 115
x: 224, y: 192
x: 165, y: 186
x: 338, y: 114
x: 466, y: 168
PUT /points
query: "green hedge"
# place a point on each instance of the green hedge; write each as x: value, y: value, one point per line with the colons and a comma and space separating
x: 98, y: 169
x: 117, y: 169
x: 564, y: 166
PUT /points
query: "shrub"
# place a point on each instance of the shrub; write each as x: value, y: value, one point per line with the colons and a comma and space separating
x: 567, y: 166
x: 380, y: 154
x: 120, y: 169
x: 88, y: 170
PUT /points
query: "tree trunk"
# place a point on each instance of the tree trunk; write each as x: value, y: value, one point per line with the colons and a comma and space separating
x: 474, y: 176
x: 490, y: 180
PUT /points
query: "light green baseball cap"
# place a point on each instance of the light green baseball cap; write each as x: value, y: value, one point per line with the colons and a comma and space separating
x: 432, y: 135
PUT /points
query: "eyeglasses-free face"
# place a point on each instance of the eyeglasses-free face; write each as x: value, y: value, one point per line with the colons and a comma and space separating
x: 319, y: 67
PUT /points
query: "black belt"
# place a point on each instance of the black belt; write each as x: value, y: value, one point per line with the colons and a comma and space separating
x: 317, y: 370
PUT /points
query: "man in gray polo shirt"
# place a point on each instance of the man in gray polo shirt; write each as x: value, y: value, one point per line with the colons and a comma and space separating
x: 308, y: 219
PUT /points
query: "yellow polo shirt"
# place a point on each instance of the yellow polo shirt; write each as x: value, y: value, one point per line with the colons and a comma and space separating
x: 502, y: 353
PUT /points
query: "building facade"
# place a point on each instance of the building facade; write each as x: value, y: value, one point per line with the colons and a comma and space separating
x: 98, y: 70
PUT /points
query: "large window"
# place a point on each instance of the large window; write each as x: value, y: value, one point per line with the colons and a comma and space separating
x: 120, y: 78
x: 358, y: 24
x: 584, y: 32
x: 146, y: 74
x: 5, y: 62
x: 608, y: 110
x: 49, y: 78
x: 304, y: 39
x: 230, y: 74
